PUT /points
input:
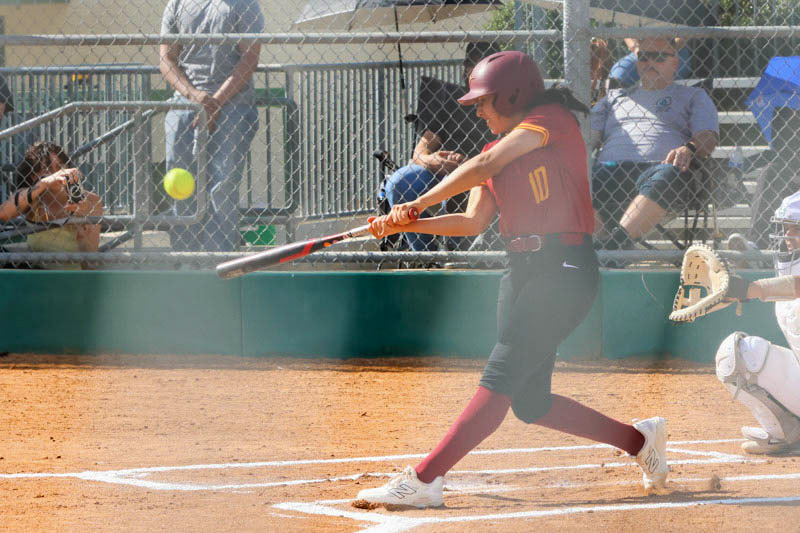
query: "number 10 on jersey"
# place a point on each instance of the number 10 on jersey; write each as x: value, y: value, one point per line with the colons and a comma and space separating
x: 541, y: 189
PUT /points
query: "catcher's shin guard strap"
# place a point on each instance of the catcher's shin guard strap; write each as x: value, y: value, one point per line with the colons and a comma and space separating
x: 777, y: 421
x: 776, y: 289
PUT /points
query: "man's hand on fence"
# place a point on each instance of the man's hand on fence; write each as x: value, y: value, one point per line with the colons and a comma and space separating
x: 211, y: 105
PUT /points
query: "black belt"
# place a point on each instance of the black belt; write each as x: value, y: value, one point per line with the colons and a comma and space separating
x: 528, y: 243
x: 534, y: 243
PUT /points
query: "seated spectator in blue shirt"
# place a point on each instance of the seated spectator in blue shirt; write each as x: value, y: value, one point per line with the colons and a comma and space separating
x: 449, y: 135
x: 649, y: 138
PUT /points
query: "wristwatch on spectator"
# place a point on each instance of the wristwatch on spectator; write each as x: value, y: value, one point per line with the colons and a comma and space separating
x: 692, y: 147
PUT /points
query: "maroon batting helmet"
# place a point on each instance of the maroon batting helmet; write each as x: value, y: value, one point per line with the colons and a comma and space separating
x: 512, y: 76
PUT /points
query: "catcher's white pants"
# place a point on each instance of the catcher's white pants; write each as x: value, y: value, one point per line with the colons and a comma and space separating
x: 748, y: 363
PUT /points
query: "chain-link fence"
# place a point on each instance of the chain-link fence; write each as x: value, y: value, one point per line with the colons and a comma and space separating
x: 298, y: 121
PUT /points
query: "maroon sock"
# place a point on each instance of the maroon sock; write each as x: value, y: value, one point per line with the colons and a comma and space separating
x: 482, y: 416
x: 574, y: 418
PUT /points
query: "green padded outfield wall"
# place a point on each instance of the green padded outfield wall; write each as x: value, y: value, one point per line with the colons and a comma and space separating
x: 336, y: 314
x: 119, y: 312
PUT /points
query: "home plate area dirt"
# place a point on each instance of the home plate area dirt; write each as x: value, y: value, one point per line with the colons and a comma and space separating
x: 185, y: 443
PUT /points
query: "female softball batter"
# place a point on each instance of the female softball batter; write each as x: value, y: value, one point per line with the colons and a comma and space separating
x: 535, y: 177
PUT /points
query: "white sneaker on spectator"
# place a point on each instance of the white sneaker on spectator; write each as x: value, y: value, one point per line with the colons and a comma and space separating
x: 652, y: 458
x: 405, y: 489
x: 738, y: 242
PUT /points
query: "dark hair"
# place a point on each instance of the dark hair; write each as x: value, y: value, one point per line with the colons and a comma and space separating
x: 559, y: 94
x: 37, y: 160
x: 480, y: 49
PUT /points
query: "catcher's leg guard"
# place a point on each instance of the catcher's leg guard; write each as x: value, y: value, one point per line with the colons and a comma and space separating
x: 765, y: 378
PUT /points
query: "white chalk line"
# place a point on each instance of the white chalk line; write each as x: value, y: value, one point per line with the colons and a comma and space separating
x: 373, y: 459
x: 394, y: 523
x: 125, y: 477
x: 486, y: 489
x: 671, y: 480
x: 134, y: 476
x: 388, y: 523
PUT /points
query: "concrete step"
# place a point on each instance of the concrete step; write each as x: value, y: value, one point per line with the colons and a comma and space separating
x: 737, y: 117
x: 725, y: 152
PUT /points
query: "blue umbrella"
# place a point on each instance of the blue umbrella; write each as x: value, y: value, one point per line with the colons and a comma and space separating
x: 779, y: 86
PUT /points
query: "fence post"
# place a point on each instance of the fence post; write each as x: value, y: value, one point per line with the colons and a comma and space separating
x: 576, y: 54
x: 576, y: 47
x: 141, y: 177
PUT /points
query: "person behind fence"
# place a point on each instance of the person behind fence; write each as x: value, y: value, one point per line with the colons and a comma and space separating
x: 650, y: 139
x: 6, y: 100
x: 624, y: 73
x: 220, y: 78
x: 763, y: 376
x: 535, y: 178
x: 781, y: 174
x: 599, y: 66
x: 23, y: 198
x: 448, y: 136
x: 46, y: 181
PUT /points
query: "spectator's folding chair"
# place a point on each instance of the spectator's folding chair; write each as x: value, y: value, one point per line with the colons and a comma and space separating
x: 716, y: 187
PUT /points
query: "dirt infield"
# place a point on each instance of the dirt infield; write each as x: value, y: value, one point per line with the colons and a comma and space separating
x: 232, y: 444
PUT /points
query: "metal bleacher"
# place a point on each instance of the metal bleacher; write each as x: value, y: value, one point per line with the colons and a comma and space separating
x: 738, y: 128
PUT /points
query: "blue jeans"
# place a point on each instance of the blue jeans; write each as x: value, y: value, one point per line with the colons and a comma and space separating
x: 228, y: 146
x: 625, y: 69
x: 406, y: 184
x: 615, y: 184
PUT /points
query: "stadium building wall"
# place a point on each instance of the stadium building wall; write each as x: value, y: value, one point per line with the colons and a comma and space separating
x: 337, y: 314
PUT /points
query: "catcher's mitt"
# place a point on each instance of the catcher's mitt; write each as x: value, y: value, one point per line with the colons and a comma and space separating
x: 707, y: 285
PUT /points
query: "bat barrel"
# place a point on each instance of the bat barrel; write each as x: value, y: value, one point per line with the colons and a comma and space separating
x: 251, y: 263
x: 289, y: 252
x: 233, y: 268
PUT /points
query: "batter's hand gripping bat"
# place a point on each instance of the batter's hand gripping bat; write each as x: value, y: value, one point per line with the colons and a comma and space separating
x: 290, y: 252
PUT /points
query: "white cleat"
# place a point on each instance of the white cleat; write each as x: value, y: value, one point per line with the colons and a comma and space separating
x: 652, y: 458
x: 406, y: 490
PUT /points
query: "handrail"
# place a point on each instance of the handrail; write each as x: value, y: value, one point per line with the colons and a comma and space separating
x: 137, y: 106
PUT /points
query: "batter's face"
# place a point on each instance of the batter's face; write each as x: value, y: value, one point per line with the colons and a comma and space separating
x: 496, y: 122
x: 792, y: 234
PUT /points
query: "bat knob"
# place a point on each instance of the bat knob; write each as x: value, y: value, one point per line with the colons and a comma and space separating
x: 413, y: 214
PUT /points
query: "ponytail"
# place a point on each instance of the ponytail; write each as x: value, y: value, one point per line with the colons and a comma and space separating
x: 559, y: 94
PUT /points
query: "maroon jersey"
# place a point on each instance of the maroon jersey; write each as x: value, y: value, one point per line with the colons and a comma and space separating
x: 547, y: 189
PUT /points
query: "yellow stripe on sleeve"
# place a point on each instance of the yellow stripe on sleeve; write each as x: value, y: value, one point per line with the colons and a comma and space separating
x: 537, y: 129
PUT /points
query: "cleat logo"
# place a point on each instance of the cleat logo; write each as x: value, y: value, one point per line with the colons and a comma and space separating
x: 651, y: 461
x: 402, y: 490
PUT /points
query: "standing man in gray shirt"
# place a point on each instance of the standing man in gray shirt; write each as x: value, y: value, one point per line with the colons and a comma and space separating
x: 650, y: 138
x: 219, y: 77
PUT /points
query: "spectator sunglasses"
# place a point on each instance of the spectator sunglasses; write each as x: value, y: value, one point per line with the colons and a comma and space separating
x: 658, y: 57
